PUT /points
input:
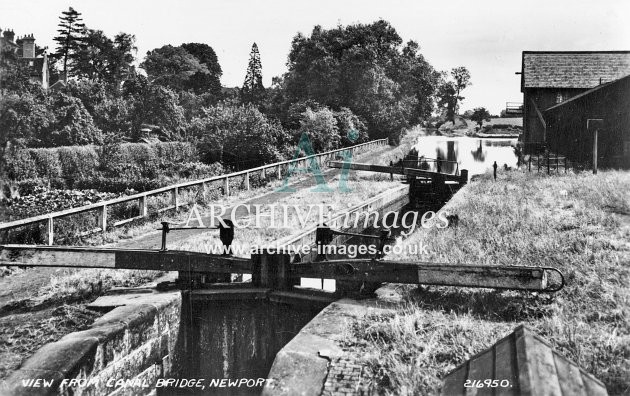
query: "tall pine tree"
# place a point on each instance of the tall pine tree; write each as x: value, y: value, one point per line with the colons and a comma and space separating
x: 253, y: 90
x: 71, y: 38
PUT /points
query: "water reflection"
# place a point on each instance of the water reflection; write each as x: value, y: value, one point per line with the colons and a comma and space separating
x: 476, y: 155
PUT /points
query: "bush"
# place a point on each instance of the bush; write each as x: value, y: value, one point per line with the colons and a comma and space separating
x: 321, y: 128
x: 20, y: 165
x: 78, y: 162
x: 129, y: 164
x: 46, y: 162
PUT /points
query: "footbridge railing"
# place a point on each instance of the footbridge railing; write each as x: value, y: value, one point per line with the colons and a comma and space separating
x: 101, y: 208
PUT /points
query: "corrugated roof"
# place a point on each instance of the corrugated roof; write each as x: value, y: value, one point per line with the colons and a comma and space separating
x: 573, y: 69
x: 524, y: 364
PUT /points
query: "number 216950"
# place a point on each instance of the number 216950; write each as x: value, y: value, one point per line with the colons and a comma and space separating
x: 488, y: 383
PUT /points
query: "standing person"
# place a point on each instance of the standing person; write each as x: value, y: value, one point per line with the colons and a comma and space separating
x: 439, y: 164
x: 495, y: 170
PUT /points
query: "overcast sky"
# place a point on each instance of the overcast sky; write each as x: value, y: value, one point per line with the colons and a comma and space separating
x: 485, y: 36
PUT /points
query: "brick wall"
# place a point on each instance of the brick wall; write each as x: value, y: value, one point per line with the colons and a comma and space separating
x: 137, y: 340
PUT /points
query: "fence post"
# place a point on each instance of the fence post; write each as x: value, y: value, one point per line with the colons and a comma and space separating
x: 247, y: 181
x: 50, y: 231
x: 538, y: 161
x: 530, y: 163
x: 226, y: 186
x: 142, y: 205
x: 547, y: 163
x: 279, y: 172
x: 566, y: 164
x: 102, y: 218
x: 263, y: 173
x: 174, y: 197
x: 557, y: 163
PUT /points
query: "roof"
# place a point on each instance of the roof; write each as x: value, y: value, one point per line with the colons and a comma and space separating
x: 580, y: 69
x: 522, y: 363
x: 590, y: 91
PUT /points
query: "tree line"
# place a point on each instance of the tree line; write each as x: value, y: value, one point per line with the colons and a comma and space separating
x: 343, y: 86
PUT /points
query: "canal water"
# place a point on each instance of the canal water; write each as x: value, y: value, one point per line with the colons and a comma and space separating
x: 476, y: 155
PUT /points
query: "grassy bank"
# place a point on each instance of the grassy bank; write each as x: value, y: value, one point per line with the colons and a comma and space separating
x: 579, y: 223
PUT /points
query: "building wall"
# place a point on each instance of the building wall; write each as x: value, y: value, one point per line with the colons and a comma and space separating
x: 533, y: 130
x: 567, y: 131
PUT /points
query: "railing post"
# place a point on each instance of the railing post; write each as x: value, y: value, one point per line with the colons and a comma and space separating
x: 175, y: 198
x: 263, y: 173
x: 142, y: 205
x: 279, y: 172
x: 226, y: 186
x: 547, y: 163
x: 557, y: 163
x: 247, y: 181
x: 102, y: 218
x: 50, y: 231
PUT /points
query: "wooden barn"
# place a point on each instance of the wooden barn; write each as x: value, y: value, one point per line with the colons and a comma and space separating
x: 570, y: 133
x: 551, y: 78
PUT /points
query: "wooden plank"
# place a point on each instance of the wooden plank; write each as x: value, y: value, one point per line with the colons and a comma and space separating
x: 232, y: 294
x: 537, y: 371
x: 454, y: 382
x: 50, y: 257
x: 125, y: 221
x: 50, y: 231
x: 79, y: 257
x: 569, y: 377
x: 481, y: 369
x: 593, y: 386
x: 505, y: 367
x: 392, y: 169
x: 519, y: 278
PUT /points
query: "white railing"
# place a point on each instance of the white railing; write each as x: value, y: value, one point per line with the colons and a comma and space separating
x: 142, y: 198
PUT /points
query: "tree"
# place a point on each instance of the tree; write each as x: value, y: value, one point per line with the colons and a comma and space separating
x: 71, y: 38
x: 73, y: 124
x: 321, y: 128
x: 365, y: 68
x: 103, y: 59
x: 449, y: 91
x: 172, y: 67
x: 155, y: 105
x: 239, y: 136
x: 480, y: 114
x: 205, y: 83
x: 253, y: 90
x: 461, y: 75
x: 447, y: 99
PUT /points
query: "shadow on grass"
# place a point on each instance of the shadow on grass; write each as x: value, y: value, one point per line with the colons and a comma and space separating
x: 492, y: 305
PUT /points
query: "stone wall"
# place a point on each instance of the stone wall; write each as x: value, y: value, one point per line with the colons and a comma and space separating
x: 123, y: 353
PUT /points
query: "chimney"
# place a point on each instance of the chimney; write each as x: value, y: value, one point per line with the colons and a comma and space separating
x: 28, y: 46
x: 8, y: 35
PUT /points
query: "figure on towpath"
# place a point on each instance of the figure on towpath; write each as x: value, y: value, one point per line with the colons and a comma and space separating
x: 495, y: 170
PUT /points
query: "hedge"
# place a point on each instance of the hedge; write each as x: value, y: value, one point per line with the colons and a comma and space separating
x: 137, y: 164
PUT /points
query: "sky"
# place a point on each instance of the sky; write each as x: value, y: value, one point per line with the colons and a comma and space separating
x: 485, y: 36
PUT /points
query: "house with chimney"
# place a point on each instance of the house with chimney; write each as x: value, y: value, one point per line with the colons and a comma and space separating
x: 549, y: 78
x: 24, y: 50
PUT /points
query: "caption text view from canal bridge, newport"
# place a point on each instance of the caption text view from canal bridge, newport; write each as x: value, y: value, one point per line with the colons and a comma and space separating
x: 262, y: 274
x: 382, y: 219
